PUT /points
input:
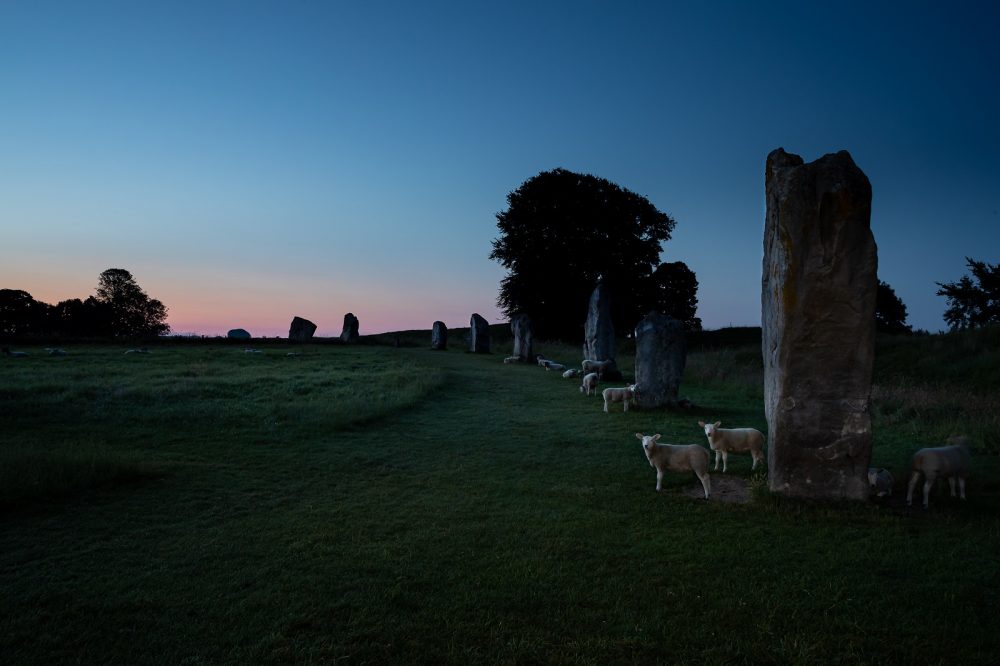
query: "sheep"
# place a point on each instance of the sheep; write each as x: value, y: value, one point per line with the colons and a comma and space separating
x: 880, y: 481
x: 676, y: 458
x: 624, y: 395
x: 14, y: 354
x: 248, y: 350
x: 141, y: 350
x: 951, y: 461
x: 589, y: 384
x: 55, y: 352
x: 558, y: 367
x: 600, y: 367
x: 571, y: 373
x: 733, y: 440
x: 509, y: 360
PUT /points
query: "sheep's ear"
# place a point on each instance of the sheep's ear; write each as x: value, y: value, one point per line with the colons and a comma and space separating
x: 638, y: 435
x: 717, y: 424
x: 656, y: 437
x: 701, y: 423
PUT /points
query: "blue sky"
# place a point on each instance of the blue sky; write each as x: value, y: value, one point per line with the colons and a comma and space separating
x: 251, y: 161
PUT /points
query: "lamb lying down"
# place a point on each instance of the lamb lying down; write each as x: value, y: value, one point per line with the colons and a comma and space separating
x: 676, y: 458
x: 880, y: 481
x: 951, y: 462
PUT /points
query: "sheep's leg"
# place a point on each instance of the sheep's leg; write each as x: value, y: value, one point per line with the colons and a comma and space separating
x: 706, y: 483
x: 914, y: 477
x: 606, y: 409
x: 659, y: 479
x: 718, y: 454
x: 961, y: 486
x: 626, y: 404
x: 755, y: 461
x: 928, y: 484
x: 725, y: 460
x: 951, y: 483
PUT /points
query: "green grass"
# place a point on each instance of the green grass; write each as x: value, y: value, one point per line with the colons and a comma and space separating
x: 367, y: 504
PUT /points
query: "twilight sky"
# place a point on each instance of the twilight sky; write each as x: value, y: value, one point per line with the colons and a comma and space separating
x: 251, y: 161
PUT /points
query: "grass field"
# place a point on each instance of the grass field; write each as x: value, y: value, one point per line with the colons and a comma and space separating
x: 371, y: 504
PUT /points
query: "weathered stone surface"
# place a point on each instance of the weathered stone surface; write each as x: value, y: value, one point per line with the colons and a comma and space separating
x: 520, y: 325
x: 479, y: 335
x: 818, y: 315
x: 599, y: 331
x: 239, y: 334
x: 350, y: 330
x: 660, y: 356
x: 439, y: 336
x: 301, y: 329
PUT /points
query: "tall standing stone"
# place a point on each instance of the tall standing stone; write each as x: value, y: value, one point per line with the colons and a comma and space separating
x: 660, y: 356
x: 479, y: 335
x: 818, y: 301
x: 599, y: 331
x: 349, y: 333
x: 439, y: 336
x: 520, y: 325
x: 301, y: 330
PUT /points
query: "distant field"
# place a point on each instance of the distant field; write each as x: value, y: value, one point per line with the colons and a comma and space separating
x: 367, y: 504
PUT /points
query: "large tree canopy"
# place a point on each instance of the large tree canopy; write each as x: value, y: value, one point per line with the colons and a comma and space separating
x: 133, y: 313
x: 673, y: 290
x: 561, y: 233
x: 972, y: 304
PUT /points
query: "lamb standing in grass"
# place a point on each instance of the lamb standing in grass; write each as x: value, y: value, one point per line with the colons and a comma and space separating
x: 734, y: 440
x: 599, y: 367
x: 951, y: 462
x: 676, y: 458
x: 623, y: 395
x: 589, y: 384
x: 880, y: 481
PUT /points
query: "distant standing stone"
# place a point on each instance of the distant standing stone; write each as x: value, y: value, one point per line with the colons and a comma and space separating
x: 479, y: 335
x: 599, y: 331
x: 350, y: 332
x: 660, y: 357
x: 439, y: 336
x: 239, y: 334
x: 818, y: 317
x: 301, y: 330
x: 520, y: 325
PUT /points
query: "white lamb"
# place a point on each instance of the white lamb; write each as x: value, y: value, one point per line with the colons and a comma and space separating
x: 589, y: 385
x: 14, y: 354
x: 734, y: 440
x: 510, y: 360
x: 600, y: 367
x: 880, y: 481
x: 558, y: 367
x: 623, y: 395
x: 676, y: 458
x: 55, y: 352
x: 572, y: 372
x: 951, y: 462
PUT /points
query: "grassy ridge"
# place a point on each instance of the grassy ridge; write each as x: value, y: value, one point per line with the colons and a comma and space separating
x: 497, y: 517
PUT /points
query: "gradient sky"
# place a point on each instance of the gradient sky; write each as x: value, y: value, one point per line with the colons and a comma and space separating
x: 251, y: 161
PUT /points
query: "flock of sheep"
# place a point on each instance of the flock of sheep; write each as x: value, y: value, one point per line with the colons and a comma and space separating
x: 952, y: 461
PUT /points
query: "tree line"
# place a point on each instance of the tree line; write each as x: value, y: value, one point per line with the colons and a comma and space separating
x: 562, y: 232
x: 119, y: 308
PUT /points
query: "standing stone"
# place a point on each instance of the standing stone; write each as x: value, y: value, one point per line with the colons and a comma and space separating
x: 818, y: 316
x: 660, y: 356
x: 350, y: 332
x: 439, y: 336
x: 238, y: 334
x: 520, y: 325
x: 301, y: 330
x: 479, y: 335
x: 599, y: 331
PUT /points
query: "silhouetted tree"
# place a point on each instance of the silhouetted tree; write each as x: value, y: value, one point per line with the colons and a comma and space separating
x: 890, y: 312
x: 74, y: 318
x: 20, y: 314
x: 673, y: 289
x: 133, y: 312
x: 972, y: 304
x: 561, y: 232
